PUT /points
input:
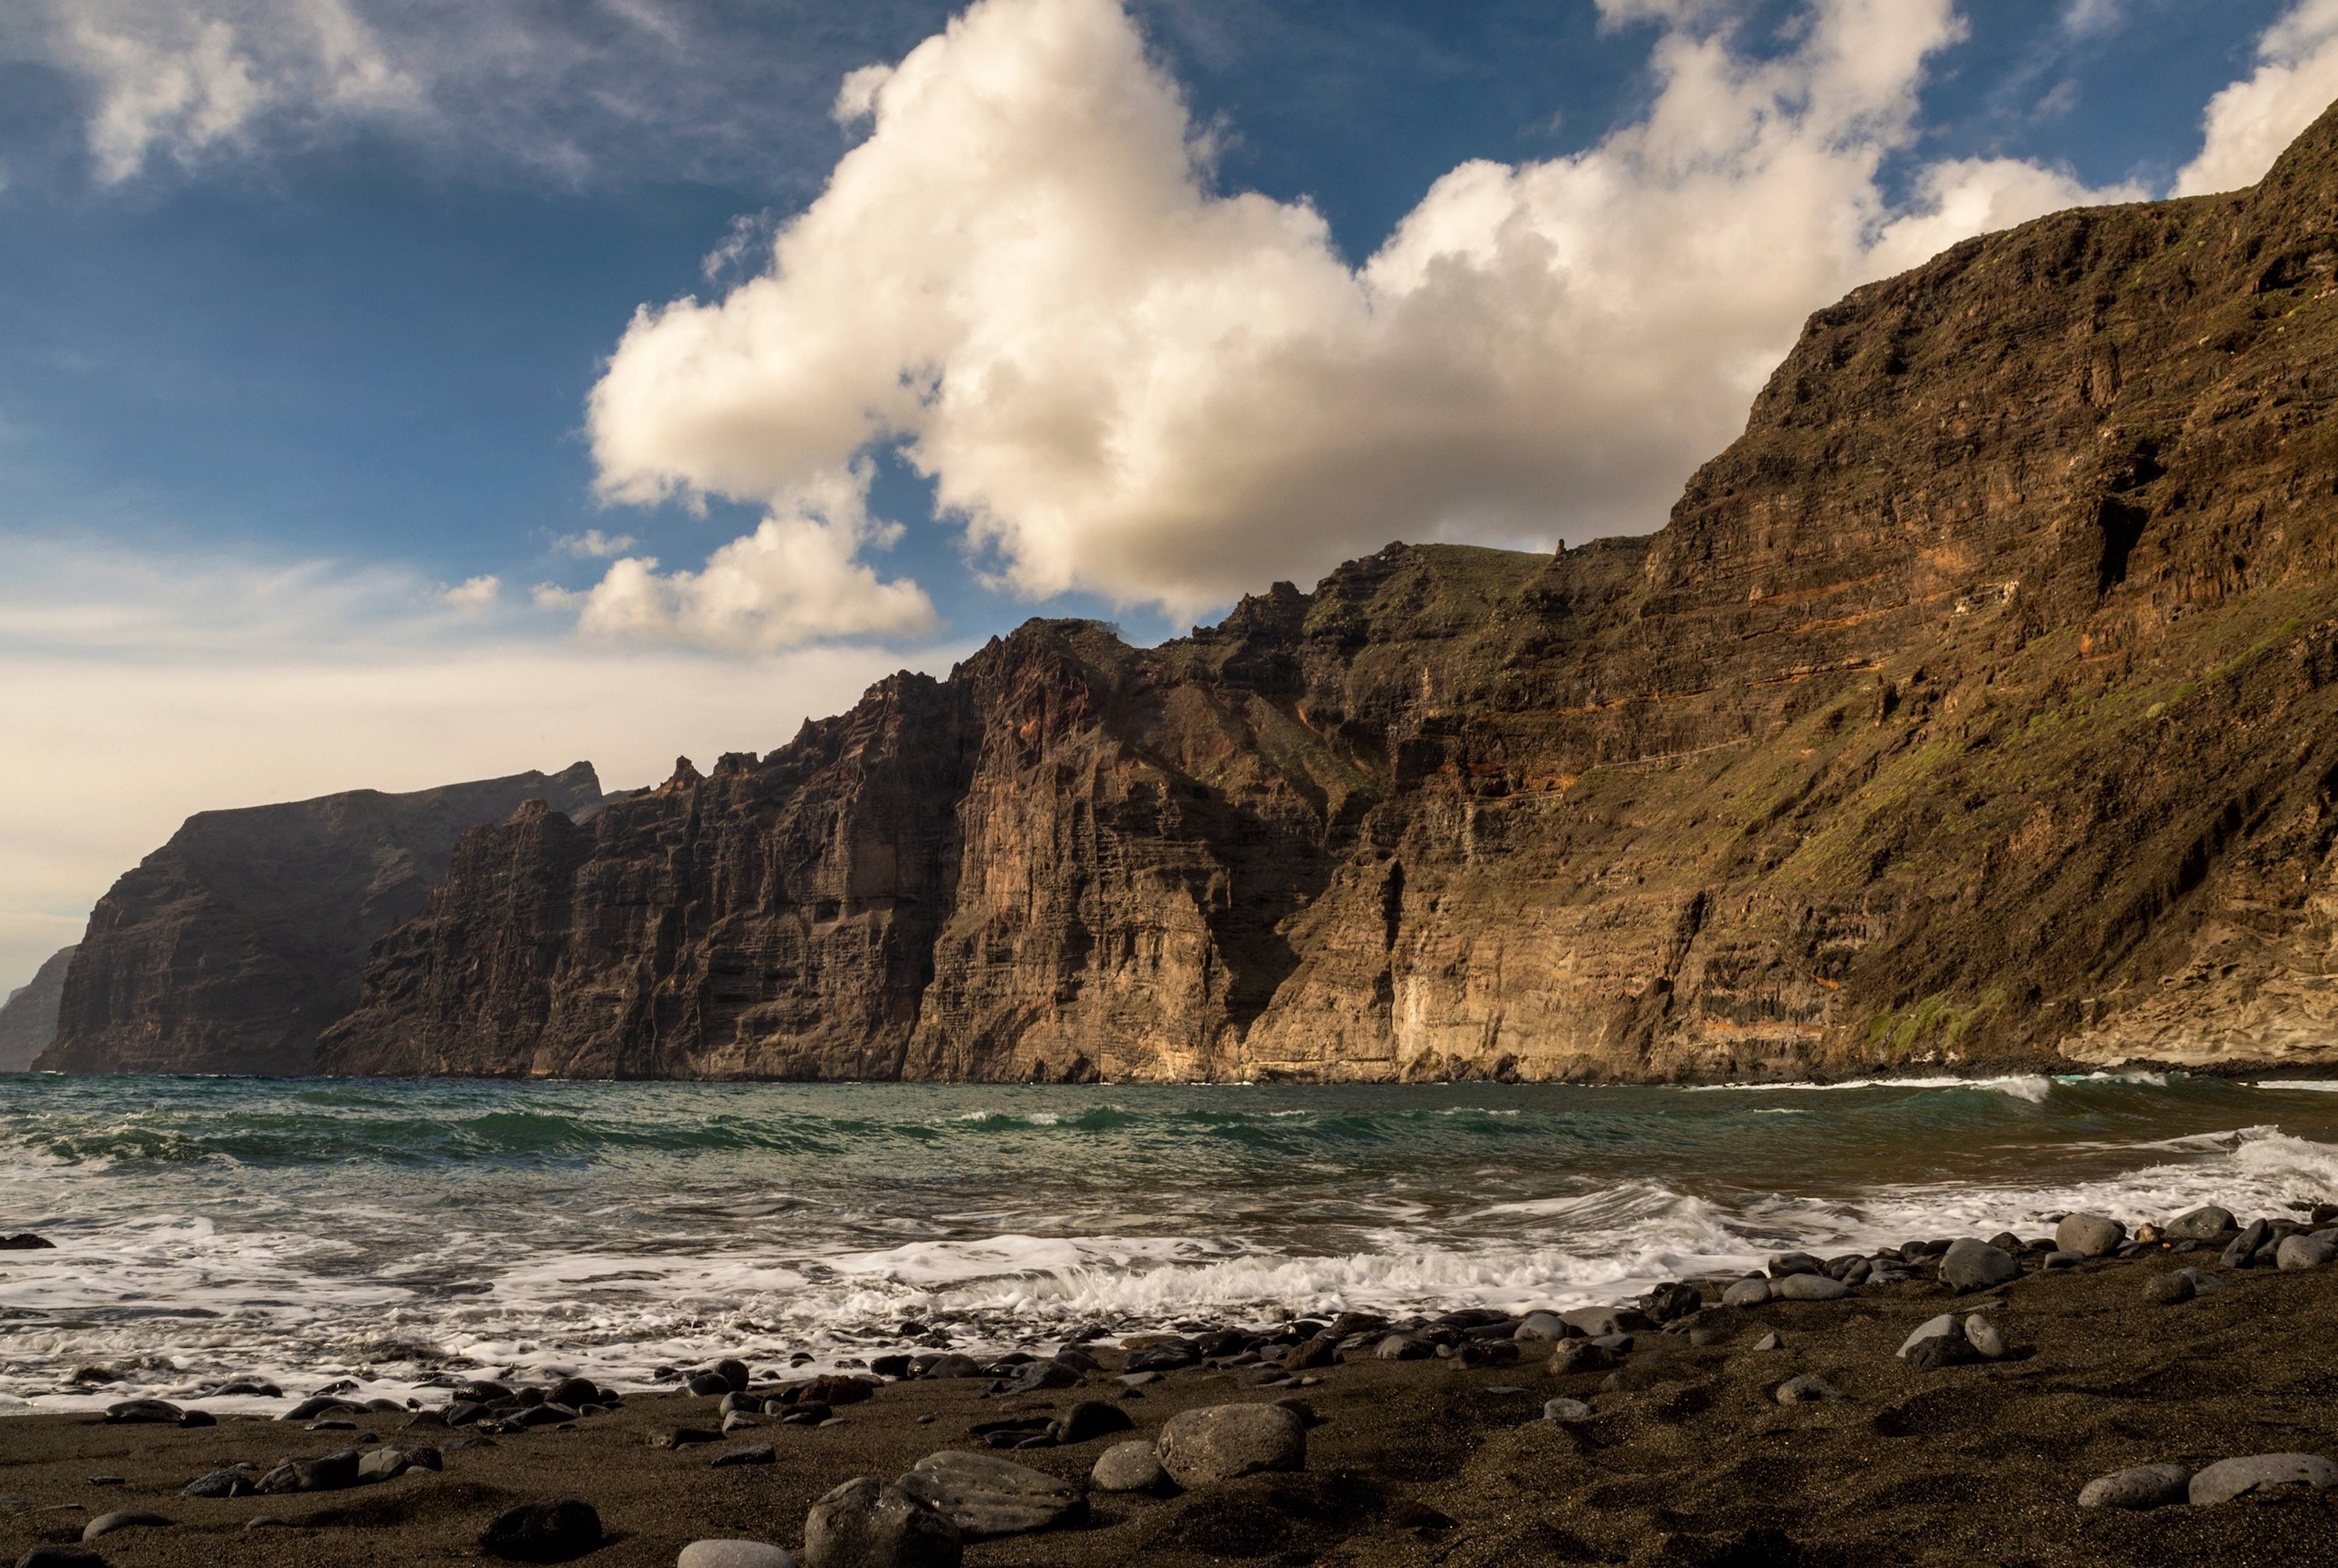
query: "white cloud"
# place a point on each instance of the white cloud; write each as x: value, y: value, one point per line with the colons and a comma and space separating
x: 189, y: 80
x: 472, y: 597
x: 1124, y: 381
x: 581, y: 91
x: 154, y: 687
x: 2093, y: 18
x: 796, y: 579
x: 2250, y: 122
x: 593, y: 545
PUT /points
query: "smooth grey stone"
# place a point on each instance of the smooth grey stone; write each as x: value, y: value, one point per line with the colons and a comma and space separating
x: 871, y: 1523
x: 1974, y: 1265
x: 1770, y: 1341
x: 2137, y: 1487
x: 2061, y: 1259
x: 1567, y: 1412
x: 219, y: 1483
x: 2245, y: 1246
x: 1598, y: 1322
x: 735, y: 1422
x: 2089, y: 1235
x: 2207, y: 1223
x: 143, y: 1412
x: 1540, y: 1326
x: 733, y: 1554
x: 1786, y: 1264
x: 329, y: 1473
x: 2304, y: 1253
x: 1131, y: 1466
x: 986, y: 1496
x: 1750, y: 1291
x: 2203, y: 1282
x: 322, y: 1405
x: 2170, y: 1289
x: 1089, y: 1420
x: 1808, y: 1287
x: 1218, y: 1443
x: 1944, y: 1327
x: 758, y: 1454
x: 1810, y: 1388
x: 1982, y: 1335
x: 2230, y: 1479
x: 391, y: 1461
x: 706, y: 1384
x: 125, y: 1519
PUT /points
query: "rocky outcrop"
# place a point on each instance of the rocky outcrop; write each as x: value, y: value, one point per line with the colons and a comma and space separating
x: 230, y: 947
x: 1980, y: 704
x: 28, y: 1020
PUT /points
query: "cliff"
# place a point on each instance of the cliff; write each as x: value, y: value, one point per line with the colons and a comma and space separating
x: 1979, y: 705
x: 231, y: 947
x: 28, y: 1020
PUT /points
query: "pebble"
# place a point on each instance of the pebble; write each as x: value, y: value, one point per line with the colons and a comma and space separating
x: 2061, y: 1259
x: 735, y: 1422
x: 684, y: 1438
x: 1770, y: 1342
x: 2208, y: 1223
x: 2170, y: 1290
x: 2089, y: 1235
x: 543, y: 1532
x: 219, y: 1483
x: 1131, y: 1466
x: 987, y: 1497
x: 126, y: 1519
x: 2230, y: 1479
x: 1581, y: 1356
x: 1219, y: 1442
x: 1808, y: 1287
x: 1091, y: 1419
x: 2137, y: 1487
x: 1810, y: 1388
x: 1533, y: 1326
x: 1750, y: 1291
x: 758, y: 1454
x: 866, y: 1523
x: 1982, y: 1335
x: 1786, y: 1264
x: 1567, y: 1412
x: 733, y: 1554
x: 1972, y: 1265
x: 1404, y: 1348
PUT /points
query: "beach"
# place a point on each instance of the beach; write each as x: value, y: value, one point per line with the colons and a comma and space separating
x: 1687, y: 1456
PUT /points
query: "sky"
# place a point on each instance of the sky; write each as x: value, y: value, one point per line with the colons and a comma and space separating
x: 400, y: 391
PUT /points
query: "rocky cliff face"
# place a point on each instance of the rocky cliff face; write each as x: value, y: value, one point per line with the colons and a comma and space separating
x: 28, y: 1020
x: 1980, y: 704
x: 231, y: 947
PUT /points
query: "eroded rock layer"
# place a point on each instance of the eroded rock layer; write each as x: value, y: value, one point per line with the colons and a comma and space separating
x: 231, y: 947
x: 1981, y: 703
x: 28, y: 1021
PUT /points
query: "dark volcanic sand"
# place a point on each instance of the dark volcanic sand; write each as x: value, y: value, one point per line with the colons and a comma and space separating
x: 1970, y: 1465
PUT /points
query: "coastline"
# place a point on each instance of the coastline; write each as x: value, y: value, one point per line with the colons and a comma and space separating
x: 1687, y: 1456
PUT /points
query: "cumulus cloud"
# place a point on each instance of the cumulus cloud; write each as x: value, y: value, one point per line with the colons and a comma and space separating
x: 593, y: 545
x: 2250, y: 122
x: 1120, y: 379
x: 151, y: 687
x: 796, y: 579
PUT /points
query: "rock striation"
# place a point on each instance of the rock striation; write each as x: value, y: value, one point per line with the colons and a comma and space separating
x: 1980, y: 704
x: 230, y: 947
x: 28, y: 1020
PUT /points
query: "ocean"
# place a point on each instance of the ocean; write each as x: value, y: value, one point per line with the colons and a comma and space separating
x: 390, y: 1233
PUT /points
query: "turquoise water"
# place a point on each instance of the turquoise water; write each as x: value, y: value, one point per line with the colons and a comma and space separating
x: 376, y: 1229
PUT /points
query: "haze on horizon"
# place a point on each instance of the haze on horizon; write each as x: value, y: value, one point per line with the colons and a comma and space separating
x: 405, y: 395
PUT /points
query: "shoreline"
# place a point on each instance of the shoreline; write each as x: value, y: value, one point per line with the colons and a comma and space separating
x: 1688, y: 1451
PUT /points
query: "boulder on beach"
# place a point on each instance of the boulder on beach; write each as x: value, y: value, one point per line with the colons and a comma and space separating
x: 2137, y: 1487
x: 1217, y: 1443
x: 124, y: 1519
x: 2230, y: 1479
x: 866, y: 1523
x: 1750, y: 1291
x: 986, y: 1496
x: 1131, y: 1466
x: 1808, y: 1287
x: 2206, y: 1223
x: 1971, y: 1264
x: 2089, y: 1235
x: 2297, y: 1252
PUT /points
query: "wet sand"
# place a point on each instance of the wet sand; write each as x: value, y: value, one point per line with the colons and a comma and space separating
x: 1690, y: 1460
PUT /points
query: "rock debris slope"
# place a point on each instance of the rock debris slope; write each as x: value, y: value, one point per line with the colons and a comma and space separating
x: 228, y: 949
x: 1978, y: 704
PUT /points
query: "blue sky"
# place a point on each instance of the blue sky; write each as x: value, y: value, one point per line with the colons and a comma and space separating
x: 314, y: 311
